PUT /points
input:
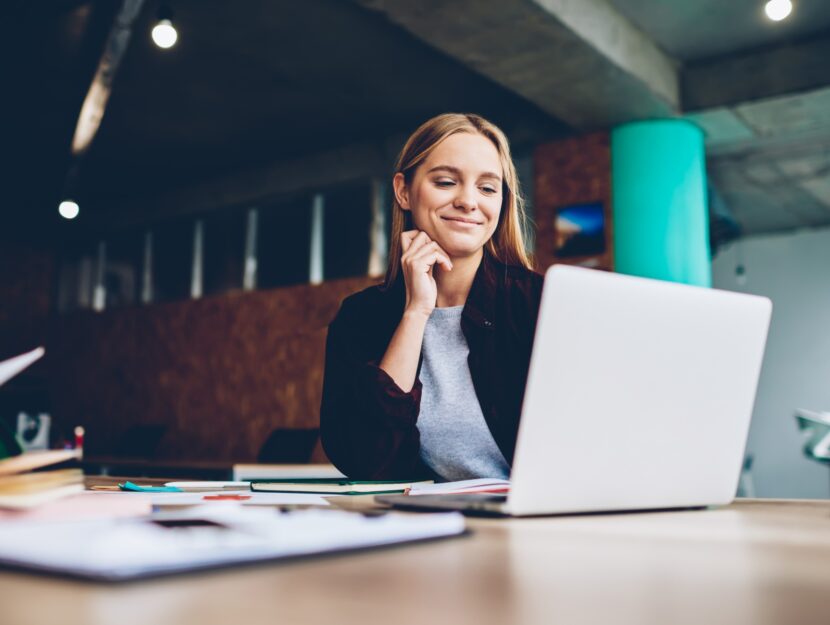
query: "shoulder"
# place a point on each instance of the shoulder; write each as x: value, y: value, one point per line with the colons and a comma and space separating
x: 366, y: 321
x: 368, y: 307
x: 520, y: 291
x: 516, y: 275
x: 520, y: 281
x: 363, y: 299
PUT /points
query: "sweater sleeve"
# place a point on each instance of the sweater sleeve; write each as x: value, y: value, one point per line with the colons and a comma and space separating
x: 367, y: 422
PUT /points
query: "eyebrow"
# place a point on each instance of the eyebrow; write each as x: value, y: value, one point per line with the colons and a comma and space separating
x: 455, y: 170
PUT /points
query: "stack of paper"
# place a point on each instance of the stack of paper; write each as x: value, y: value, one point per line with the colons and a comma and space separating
x: 21, y: 488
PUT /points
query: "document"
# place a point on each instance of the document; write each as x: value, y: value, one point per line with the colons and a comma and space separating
x: 480, y: 485
x: 242, y: 498
x: 116, y: 550
x: 84, y: 505
x: 248, y: 472
x: 198, y: 487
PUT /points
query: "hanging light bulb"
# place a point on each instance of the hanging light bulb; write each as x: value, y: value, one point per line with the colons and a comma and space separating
x: 69, y: 209
x: 778, y: 10
x: 164, y: 33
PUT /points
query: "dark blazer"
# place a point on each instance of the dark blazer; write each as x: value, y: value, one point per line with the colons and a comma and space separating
x: 369, y: 424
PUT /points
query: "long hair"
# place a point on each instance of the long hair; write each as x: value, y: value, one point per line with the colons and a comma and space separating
x: 507, y: 243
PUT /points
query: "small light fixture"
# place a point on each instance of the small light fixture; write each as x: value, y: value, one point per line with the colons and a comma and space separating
x: 778, y: 10
x: 164, y: 33
x: 69, y: 209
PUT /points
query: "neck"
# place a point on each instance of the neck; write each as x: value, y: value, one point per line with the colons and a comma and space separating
x: 454, y: 286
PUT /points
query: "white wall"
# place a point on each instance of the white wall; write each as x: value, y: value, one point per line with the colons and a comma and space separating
x: 793, y: 270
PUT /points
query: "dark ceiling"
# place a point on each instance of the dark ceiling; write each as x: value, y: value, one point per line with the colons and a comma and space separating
x: 247, y: 83
x: 263, y: 83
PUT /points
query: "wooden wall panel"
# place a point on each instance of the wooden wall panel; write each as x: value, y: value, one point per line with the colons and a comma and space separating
x: 26, y: 277
x: 221, y: 373
x: 571, y: 171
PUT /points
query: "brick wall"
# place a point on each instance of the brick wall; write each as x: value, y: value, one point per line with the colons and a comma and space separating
x: 567, y: 172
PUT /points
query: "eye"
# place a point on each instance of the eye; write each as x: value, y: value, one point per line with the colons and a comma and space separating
x: 488, y: 189
x: 444, y: 182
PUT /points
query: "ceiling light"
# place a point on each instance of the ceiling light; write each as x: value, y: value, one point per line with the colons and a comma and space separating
x: 164, y: 33
x: 69, y: 209
x: 778, y: 10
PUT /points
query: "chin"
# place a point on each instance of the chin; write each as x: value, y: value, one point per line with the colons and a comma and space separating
x: 461, y: 249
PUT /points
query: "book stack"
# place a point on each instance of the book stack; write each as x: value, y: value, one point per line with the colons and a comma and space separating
x: 25, y: 481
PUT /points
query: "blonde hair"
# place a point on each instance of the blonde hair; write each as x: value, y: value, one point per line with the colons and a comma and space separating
x: 507, y: 243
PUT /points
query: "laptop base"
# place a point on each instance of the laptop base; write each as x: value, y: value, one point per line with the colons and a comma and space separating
x: 489, y: 505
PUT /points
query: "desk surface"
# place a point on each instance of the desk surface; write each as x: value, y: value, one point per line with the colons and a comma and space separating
x: 754, y: 562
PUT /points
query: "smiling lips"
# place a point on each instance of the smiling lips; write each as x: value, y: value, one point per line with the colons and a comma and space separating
x: 463, y: 221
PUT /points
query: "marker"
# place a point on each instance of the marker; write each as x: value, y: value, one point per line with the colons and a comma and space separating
x: 79, y: 436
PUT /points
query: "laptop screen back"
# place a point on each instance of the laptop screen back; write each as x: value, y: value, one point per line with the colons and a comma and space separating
x: 639, y: 395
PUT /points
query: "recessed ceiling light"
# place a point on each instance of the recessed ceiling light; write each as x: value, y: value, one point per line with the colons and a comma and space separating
x: 778, y: 10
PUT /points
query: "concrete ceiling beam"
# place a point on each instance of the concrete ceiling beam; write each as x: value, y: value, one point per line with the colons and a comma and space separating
x: 581, y: 61
x: 750, y: 76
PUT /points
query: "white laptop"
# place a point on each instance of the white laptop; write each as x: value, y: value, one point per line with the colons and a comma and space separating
x: 639, y: 396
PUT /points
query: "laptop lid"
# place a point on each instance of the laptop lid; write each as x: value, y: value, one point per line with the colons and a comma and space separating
x: 639, y: 394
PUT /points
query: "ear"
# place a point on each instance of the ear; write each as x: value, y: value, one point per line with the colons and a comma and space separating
x: 401, y: 192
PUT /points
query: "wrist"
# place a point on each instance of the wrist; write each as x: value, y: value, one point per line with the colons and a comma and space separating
x: 416, y: 315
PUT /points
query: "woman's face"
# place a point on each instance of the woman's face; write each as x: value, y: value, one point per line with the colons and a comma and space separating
x: 456, y: 194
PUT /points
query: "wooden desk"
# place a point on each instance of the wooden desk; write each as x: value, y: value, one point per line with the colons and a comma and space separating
x: 755, y: 562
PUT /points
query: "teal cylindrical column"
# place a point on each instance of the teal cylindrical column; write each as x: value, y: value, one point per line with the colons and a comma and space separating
x: 661, y: 218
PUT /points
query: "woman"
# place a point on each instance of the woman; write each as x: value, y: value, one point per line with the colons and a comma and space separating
x: 425, y: 374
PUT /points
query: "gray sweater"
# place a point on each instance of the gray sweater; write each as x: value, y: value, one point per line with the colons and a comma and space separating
x: 455, y: 440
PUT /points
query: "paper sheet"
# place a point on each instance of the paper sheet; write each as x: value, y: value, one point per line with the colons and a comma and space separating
x: 256, y: 499
x: 481, y: 485
x: 125, y: 549
x: 86, y: 505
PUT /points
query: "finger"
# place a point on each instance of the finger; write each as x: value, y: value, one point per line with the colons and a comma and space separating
x: 420, y: 240
x: 406, y: 239
x: 423, y: 262
x: 430, y: 247
x: 445, y: 262
x: 442, y: 250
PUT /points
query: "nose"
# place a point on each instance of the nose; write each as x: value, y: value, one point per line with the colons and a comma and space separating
x: 466, y: 199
